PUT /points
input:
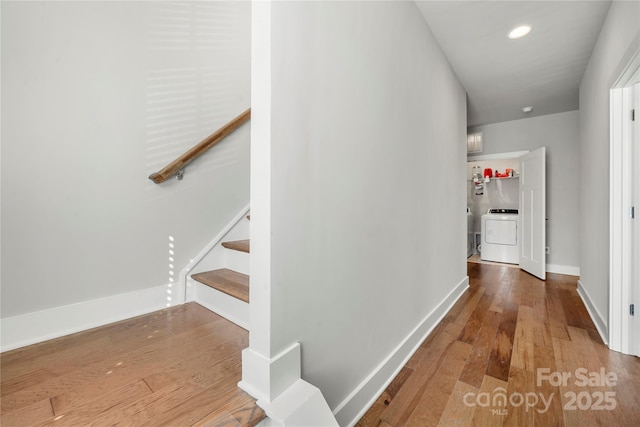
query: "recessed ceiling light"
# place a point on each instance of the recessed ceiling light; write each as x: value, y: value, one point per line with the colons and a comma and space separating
x: 527, y: 109
x: 520, y: 31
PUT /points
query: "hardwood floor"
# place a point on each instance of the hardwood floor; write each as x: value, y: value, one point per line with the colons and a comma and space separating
x: 479, y: 367
x: 499, y: 358
x: 175, y: 367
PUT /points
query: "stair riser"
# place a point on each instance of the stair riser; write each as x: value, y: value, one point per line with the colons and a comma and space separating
x: 220, y: 303
x: 237, y: 261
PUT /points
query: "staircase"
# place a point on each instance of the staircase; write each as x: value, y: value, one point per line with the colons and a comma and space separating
x: 221, y: 280
x: 226, y: 280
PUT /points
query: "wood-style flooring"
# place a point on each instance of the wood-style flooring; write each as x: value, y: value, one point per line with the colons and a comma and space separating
x: 513, y: 351
x: 175, y: 367
x: 479, y: 367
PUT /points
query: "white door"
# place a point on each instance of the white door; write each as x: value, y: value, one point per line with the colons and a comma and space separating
x: 532, y: 213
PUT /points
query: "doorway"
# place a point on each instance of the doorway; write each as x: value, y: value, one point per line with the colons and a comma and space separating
x: 524, y: 195
x: 624, y: 250
x: 495, y: 194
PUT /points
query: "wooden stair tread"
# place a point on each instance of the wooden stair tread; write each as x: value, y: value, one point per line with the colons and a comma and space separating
x: 238, y: 245
x: 228, y: 281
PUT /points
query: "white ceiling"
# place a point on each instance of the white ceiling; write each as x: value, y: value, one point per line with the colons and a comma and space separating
x: 501, y: 76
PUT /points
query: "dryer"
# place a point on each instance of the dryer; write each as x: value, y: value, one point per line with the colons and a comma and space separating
x: 499, y: 231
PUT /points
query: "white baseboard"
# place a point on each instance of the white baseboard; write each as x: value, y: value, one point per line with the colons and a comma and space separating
x: 598, y: 320
x: 563, y: 269
x: 31, y: 328
x: 349, y: 411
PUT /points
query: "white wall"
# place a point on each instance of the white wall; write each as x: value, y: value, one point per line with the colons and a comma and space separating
x: 560, y: 134
x: 95, y: 97
x: 367, y: 199
x: 618, y: 40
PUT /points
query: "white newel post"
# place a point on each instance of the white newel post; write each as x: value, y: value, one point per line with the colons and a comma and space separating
x: 273, y: 379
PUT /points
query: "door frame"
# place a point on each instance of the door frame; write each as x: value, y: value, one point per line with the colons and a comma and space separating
x: 621, y: 166
x: 495, y: 156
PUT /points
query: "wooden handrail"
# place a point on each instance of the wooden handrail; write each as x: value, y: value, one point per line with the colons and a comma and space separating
x: 178, y: 164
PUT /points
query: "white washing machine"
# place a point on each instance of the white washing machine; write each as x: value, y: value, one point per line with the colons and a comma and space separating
x: 499, y: 231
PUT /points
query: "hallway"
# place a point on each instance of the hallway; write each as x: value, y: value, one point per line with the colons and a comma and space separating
x: 513, y: 351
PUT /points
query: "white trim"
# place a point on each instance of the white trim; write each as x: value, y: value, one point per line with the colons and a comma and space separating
x: 595, y: 315
x: 302, y: 404
x: 203, y: 253
x: 497, y: 156
x: 570, y: 270
x: 616, y: 235
x: 620, y: 227
x: 31, y: 328
x: 351, y: 409
x: 230, y: 308
x: 267, y: 378
x: 260, y: 226
x: 278, y: 388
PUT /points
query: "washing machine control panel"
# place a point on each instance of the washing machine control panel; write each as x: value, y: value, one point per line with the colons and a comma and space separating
x: 503, y: 211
